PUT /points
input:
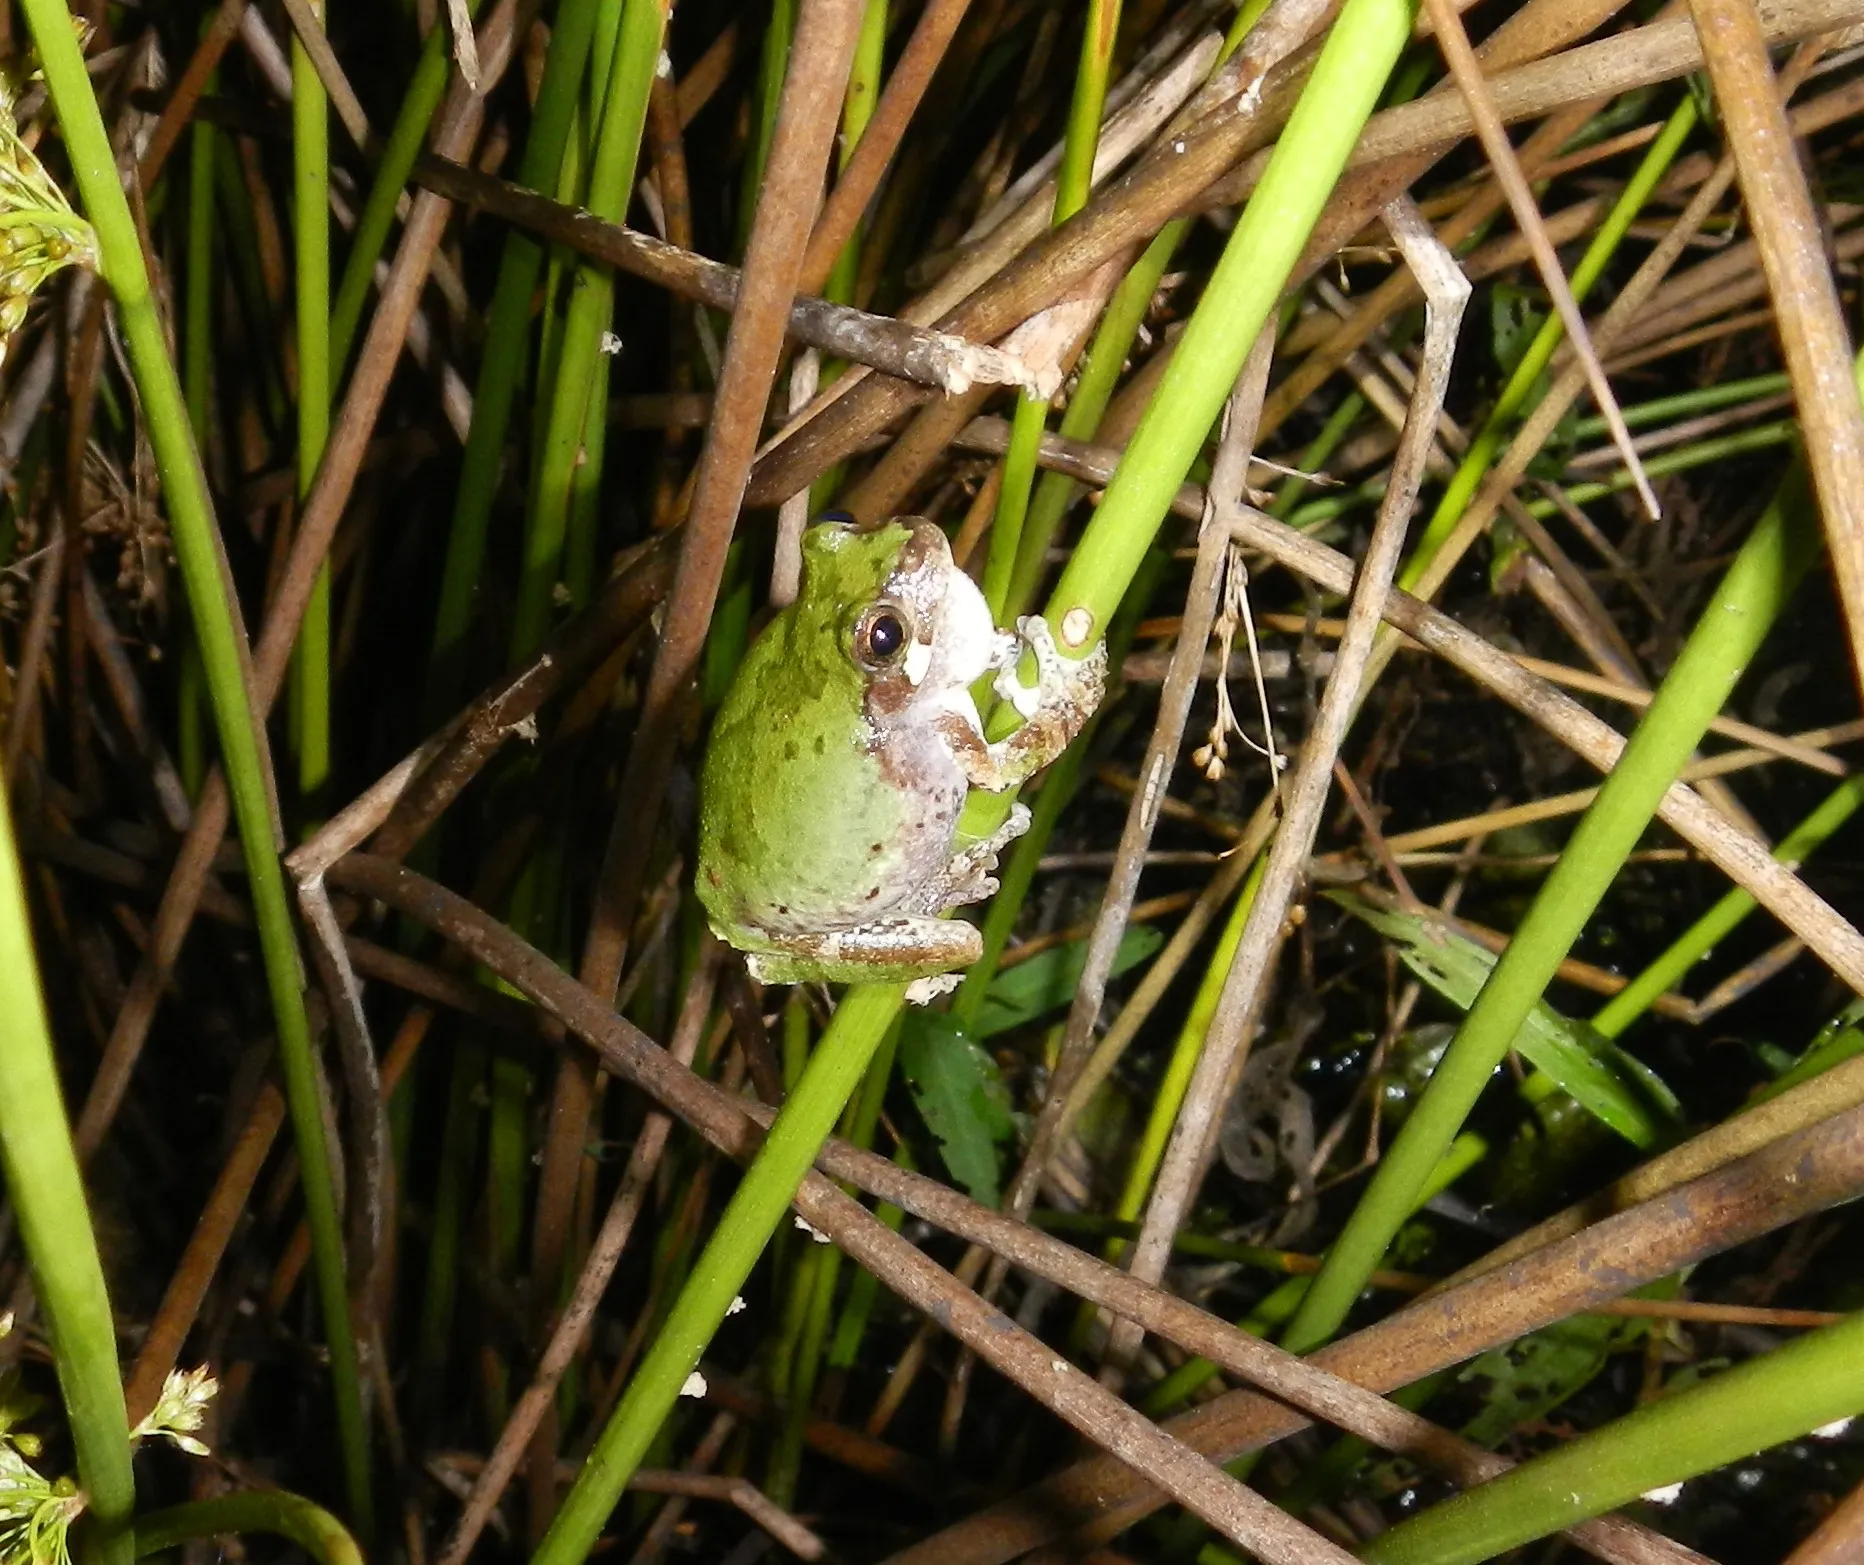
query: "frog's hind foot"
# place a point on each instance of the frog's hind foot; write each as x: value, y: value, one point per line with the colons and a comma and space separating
x: 887, y: 950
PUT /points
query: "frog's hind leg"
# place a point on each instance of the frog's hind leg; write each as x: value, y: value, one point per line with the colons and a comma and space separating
x: 890, y: 949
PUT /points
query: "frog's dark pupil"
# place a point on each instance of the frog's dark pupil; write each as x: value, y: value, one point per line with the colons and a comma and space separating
x: 885, y: 636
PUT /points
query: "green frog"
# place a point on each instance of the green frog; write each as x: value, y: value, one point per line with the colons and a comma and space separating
x: 839, y: 762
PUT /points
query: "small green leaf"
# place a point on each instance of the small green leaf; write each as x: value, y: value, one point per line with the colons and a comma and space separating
x: 1621, y: 1091
x: 1528, y: 1378
x: 1515, y: 315
x: 961, y: 1097
x: 1047, y: 982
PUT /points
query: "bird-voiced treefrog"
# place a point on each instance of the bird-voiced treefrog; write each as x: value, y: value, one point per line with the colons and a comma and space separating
x: 839, y: 761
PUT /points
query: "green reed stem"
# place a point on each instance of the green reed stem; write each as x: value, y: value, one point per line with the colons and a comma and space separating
x: 1257, y: 260
x: 1697, y: 941
x: 1487, y: 445
x: 1782, y: 1395
x: 1073, y: 184
x: 197, y: 551
x: 1102, y: 366
x: 197, y: 328
x: 406, y: 140
x: 508, y: 324
x: 274, y: 1511
x: 582, y: 365
x: 310, y: 215
x: 1783, y: 545
x: 42, y: 1178
x: 755, y: 1209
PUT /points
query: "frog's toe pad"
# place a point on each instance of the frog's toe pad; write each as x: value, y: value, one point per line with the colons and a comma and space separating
x: 922, y: 991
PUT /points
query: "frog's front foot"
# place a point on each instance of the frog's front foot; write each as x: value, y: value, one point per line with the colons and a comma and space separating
x: 968, y: 876
x: 1070, y: 686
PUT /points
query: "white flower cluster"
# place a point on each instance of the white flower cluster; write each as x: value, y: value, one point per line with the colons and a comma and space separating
x: 180, y: 1409
x: 36, y: 1512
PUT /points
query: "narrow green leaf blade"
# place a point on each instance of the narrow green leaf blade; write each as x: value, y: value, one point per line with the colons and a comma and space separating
x: 961, y: 1096
x: 1623, y: 1093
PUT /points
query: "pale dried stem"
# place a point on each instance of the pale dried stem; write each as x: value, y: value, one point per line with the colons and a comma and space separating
x: 355, y: 122
x: 1620, y: 318
x: 1807, y: 311
x: 1245, y: 991
x: 1227, y: 476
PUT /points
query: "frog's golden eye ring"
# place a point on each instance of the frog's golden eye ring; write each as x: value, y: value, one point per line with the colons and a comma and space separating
x: 882, y: 635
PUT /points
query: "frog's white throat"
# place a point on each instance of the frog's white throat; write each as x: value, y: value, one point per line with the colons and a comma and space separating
x: 962, y: 648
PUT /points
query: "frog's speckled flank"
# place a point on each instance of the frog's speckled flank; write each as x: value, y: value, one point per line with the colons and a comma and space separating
x: 840, y: 760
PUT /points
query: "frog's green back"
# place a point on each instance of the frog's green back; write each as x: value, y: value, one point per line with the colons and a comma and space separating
x: 796, y: 826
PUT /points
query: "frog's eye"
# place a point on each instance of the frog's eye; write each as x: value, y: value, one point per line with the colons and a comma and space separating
x: 882, y: 635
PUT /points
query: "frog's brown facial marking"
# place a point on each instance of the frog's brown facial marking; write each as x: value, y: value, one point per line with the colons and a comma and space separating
x: 918, y: 582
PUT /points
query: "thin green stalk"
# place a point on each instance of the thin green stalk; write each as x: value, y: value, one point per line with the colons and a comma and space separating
x: 582, y: 366
x: 1688, y: 404
x: 1361, y: 49
x: 242, y: 252
x: 582, y: 524
x: 1168, y: 1097
x: 1682, y: 459
x: 1742, y: 442
x: 1480, y: 456
x: 844, y: 1350
x: 808, y: 1114
x: 822, y: 1267
x: 1318, y: 453
x: 508, y: 322
x: 1697, y: 941
x: 771, y: 65
x: 817, y: 1273
x: 440, y: 1289
x: 310, y: 162
x: 1782, y: 547
x: 1808, y: 1383
x: 406, y: 140
x: 1073, y: 183
x: 197, y: 383
x: 47, y: 1191
x: 192, y: 526
x: 1101, y: 369
x: 580, y: 552
x: 857, y: 108
x: 291, y: 1516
